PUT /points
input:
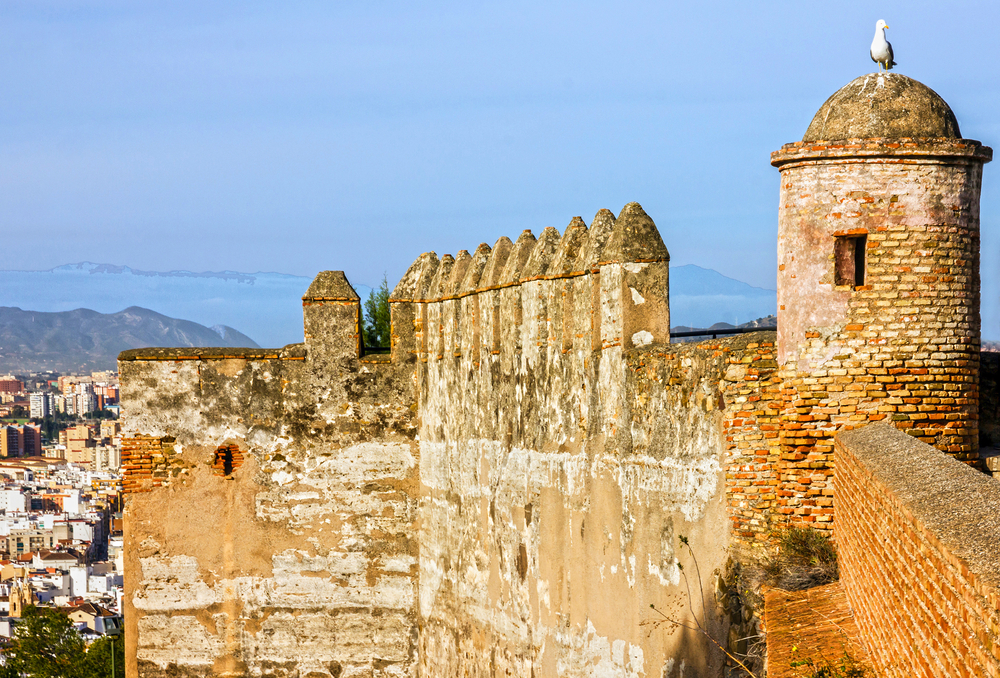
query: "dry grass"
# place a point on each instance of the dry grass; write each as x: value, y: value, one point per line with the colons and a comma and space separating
x: 805, y: 558
x: 845, y: 667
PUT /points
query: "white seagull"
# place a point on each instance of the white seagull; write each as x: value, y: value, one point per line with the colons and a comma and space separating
x: 881, y: 49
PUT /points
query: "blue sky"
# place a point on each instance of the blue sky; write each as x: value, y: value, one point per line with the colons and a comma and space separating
x: 297, y: 137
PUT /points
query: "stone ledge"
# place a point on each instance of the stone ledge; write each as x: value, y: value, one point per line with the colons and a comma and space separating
x: 957, y: 505
x: 290, y: 352
x: 898, y: 149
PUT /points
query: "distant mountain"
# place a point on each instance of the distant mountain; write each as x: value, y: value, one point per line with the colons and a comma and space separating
x: 268, y: 306
x: 766, y: 323
x: 701, y: 297
x: 83, y: 340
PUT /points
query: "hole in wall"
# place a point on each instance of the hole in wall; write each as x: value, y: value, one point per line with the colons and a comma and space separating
x: 522, y: 561
x: 227, y: 459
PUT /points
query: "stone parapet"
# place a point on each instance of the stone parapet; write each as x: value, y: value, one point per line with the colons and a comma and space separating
x: 290, y: 352
x: 918, y: 541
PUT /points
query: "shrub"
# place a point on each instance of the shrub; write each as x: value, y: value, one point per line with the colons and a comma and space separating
x: 376, y: 323
x: 805, y: 558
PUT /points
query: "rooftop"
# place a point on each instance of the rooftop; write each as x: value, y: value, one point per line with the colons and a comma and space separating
x: 883, y: 105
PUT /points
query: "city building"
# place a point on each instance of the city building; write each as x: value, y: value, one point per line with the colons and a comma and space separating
x: 21, y: 441
x: 80, y: 444
x: 41, y: 404
x: 11, y: 384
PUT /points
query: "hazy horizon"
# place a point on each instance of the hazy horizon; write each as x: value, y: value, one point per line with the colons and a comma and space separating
x: 354, y: 136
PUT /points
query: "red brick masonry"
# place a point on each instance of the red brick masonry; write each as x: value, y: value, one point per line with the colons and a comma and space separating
x: 815, y: 625
x: 140, y: 454
x: 918, y: 535
x: 900, y: 344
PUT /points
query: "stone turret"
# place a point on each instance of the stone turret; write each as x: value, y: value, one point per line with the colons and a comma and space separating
x: 878, y: 278
x: 332, y: 316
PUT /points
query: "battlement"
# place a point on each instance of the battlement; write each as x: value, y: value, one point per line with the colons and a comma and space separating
x: 476, y: 303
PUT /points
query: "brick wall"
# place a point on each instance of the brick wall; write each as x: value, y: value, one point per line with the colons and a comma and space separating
x: 752, y: 392
x: 141, y: 455
x: 919, y: 547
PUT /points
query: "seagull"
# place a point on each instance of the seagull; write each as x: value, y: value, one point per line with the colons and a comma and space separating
x: 881, y: 49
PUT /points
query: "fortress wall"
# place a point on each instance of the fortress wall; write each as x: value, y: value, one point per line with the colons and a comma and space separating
x: 505, y: 490
x: 916, y: 534
x: 564, y: 448
x: 303, y: 559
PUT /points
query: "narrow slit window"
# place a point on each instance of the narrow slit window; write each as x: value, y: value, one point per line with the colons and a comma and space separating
x: 595, y: 311
x: 495, y: 325
x: 423, y: 331
x: 477, y: 321
x: 849, y: 260
x: 568, y: 316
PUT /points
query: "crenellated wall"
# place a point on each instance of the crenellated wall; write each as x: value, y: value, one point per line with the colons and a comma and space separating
x: 504, y: 491
x: 550, y: 505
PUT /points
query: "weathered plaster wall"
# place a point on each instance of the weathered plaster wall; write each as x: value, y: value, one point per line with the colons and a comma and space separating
x: 565, y: 446
x: 303, y: 561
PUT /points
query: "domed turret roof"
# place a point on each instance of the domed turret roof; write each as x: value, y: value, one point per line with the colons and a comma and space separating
x: 886, y: 105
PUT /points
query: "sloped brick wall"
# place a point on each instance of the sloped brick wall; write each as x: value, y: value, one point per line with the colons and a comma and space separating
x: 919, y: 543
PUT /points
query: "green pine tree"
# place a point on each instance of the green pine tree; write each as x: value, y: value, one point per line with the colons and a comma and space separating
x: 376, y: 322
x: 98, y: 661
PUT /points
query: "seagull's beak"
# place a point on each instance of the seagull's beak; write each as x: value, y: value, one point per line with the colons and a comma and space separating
x: 885, y: 27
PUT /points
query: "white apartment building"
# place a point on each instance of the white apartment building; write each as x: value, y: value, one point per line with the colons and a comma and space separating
x: 41, y: 404
x: 107, y: 458
x: 14, y: 500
